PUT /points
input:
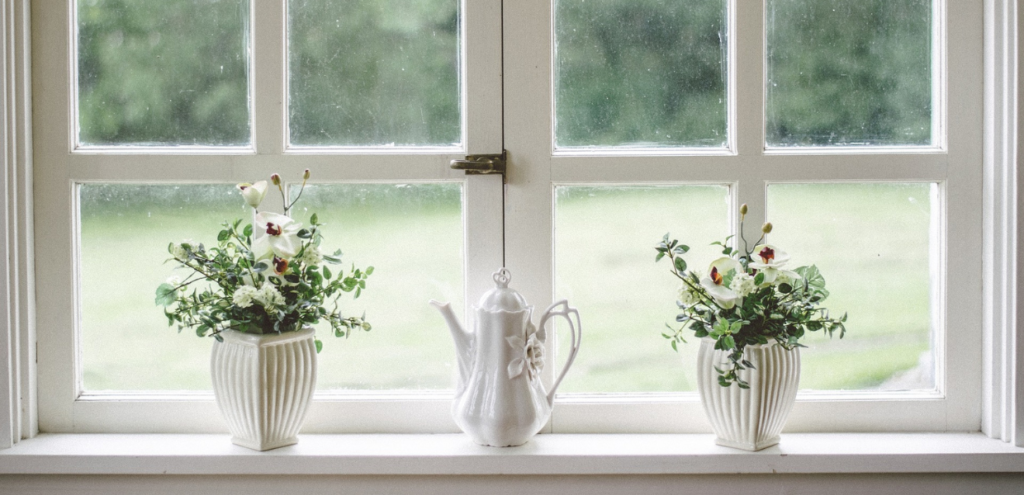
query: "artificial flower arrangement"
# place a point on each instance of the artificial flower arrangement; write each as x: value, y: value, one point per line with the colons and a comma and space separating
x: 270, y: 277
x: 747, y: 297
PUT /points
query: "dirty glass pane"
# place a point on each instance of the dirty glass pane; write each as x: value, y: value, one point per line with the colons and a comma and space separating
x: 849, y: 73
x: 153, y: 72
x: 604, y: 265
x: 125, y: 229
x: 877, y: 247
x: 412, y: 235
x: 374, y: 72
x: 640, y: 73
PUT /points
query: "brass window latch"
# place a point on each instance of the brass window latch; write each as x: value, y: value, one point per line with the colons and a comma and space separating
x: 482, y: 164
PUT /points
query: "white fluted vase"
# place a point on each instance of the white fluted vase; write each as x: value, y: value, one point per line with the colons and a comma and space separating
x: 749, y: 419
x: 263, y: 385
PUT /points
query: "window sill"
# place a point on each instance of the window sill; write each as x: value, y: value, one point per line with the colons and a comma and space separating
x: 561, y: 454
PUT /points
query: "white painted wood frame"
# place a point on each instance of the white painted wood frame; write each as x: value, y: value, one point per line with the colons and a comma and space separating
x: 1003, y: 358
x: 747, y: 167
x: 61, y: 164
x: 1002, y: 345
x: 17, y: 349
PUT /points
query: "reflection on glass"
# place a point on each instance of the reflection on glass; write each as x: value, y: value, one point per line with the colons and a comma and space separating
x: 849, y: 73
x: 646, y: 73
x: 875, y: 245
x: 125, y: 229
x: 154, y: 72
x: 604, y: 265
x: 374, y: 72
x: 412, y: 235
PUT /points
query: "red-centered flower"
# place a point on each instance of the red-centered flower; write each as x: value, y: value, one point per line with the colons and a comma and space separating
x: 279, y: 236
x: 767, y: 255
x: 715, y: 276
x: 280, y: 266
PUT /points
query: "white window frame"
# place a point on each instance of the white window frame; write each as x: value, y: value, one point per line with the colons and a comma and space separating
x: 1003, y: 326
x: 747, y: 167
x: 64, y: 407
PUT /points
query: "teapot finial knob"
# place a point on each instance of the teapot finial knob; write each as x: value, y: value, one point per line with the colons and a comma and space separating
x: 502, y: 278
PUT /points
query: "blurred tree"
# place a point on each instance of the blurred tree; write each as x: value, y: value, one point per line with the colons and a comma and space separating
x: 163, y: 72
x: 845, y: 72
x: 640, y: 72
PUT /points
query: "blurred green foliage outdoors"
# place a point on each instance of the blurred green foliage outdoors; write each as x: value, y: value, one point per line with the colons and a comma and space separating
x: 627, y: 72
x: 849, y: 73
x: 159, y: 72
x: 374, y: 72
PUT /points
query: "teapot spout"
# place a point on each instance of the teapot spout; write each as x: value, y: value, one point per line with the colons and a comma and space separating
x: 463, y: 341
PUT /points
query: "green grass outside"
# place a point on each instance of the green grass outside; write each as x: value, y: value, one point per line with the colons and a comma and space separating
x: 870, y: 252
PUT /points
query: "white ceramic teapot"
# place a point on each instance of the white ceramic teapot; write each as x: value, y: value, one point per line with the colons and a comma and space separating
x: 500, y: 400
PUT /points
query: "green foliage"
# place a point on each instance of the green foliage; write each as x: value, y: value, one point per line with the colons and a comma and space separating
x: 849, y: 72
x: 779, y: 308
x: 229, y: 288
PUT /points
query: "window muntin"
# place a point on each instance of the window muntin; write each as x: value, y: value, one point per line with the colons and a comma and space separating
x: 402, y: 89
x: 640, y: 74
x: 140, y: 81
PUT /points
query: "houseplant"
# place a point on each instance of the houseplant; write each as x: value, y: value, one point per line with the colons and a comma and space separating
x: 258, y: 293
x: 750, y: 313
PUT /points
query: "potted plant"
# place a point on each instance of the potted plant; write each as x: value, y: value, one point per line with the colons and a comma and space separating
x: 750, y: 313
x: 258, y: 293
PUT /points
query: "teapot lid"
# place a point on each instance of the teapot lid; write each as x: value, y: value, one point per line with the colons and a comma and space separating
x: 501, y: 298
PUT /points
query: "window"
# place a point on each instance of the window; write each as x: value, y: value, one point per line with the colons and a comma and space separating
x: 707, y: 115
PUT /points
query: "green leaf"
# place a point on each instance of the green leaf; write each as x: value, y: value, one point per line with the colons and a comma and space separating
x: 728, y: 342
x: 785, y: 288
x: 223, y: 235
x: 313, y: 220
x: 260, y: 267
x: 327, y: 273
x: 661, y: 254
x: 166, y: 295
x: 247, y: 231
x: 682, y: 249
x: 319, y: 345
x: 680, y: 265
x: 304, y: 234
x: 369, y: 270
x: 759, y: 278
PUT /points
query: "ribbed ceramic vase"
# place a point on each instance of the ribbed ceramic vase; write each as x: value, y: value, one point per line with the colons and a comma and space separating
x: 749, y: 419
x: 263, y: 385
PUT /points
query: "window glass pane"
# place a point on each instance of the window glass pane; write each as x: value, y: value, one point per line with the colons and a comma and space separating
x: 412, y: 235
x: 876, y: 245
x: 604, y: 265
x: 125, y: 229
x: 648, y: 73
x: 374, y: 72
x: 154, y: 72
x: 849, y: 72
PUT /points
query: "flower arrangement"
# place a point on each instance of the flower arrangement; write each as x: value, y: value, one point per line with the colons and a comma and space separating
x: 272, y: 283
x: 747, y: 297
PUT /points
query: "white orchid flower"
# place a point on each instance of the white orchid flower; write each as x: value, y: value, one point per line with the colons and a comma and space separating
x: 769, y: 260
x: 714, y: 282
x: 253, y: 193
x: 277, y: 235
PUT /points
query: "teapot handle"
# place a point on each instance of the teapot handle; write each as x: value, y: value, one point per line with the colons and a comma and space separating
x: 575, y: 331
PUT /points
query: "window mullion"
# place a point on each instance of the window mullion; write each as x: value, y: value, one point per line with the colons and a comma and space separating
x: 268, y: 75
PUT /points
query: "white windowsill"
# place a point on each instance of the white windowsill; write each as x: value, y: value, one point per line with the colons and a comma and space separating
x: 450, y: 454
